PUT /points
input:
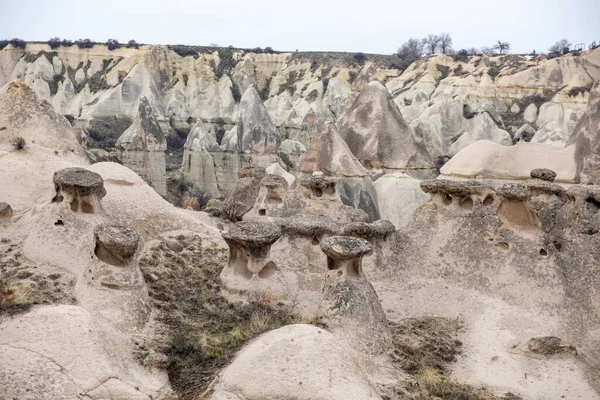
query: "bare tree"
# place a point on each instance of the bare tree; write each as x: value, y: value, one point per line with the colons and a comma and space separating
x: 431, y: 43
x: 560, y: 47
x: 445, y: 42
x: 502, y: 46
x: 410, y: 51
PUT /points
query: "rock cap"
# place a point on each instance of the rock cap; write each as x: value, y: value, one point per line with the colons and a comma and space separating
x: 344, y: 247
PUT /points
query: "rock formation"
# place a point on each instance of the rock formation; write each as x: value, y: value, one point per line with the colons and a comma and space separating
x: 329, y: 154
x: 142, y: 148
x: 377, y: 134
x: 6, y: 213
x: 256, y: 132
x: 586, y: 138
x: 80, y: 188
x: 200, y: 157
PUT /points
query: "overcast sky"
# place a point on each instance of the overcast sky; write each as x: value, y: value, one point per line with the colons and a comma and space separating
x: 370, y: 26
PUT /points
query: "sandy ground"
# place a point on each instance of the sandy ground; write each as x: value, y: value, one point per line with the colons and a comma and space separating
x: 494, y: 340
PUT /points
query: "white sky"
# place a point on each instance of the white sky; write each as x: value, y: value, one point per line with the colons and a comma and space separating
x: 370, y: 26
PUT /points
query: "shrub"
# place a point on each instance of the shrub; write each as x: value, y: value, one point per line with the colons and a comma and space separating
x: 576, y: 90
x: 226, y: 62
x: 66, y: 43
x: 18, y: 43
x: 184, y: 51
x: 18, y: 143
x: 493, y: 71
x: 359, y: 58
x: 133, y: 44
x: 444, y: 70
x: 325, y: 84
x: 235, y: 92
x: 54, y: 42
x: 3, y: 44
x: 352, y: 76
x: 85, y: 43
x: 462, y: 55
x: 269, y: 50
x: 113, y: 44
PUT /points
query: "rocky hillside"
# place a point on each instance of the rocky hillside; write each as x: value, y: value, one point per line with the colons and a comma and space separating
x: 449, y: 102
x: 220, y: 108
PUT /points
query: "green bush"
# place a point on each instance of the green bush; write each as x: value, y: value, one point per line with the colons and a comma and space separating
x: 113, y: 44
x: 3, y: 44
x: 184, y: 51
x: 18, y: 43
x: 133, y: 44
x: 54, y: 43
x: 462, y: 55
x: 85, y: 43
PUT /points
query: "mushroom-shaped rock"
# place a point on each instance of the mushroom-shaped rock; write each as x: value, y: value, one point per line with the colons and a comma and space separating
x: 6, y: 213
x: 271, y: 195
x: 544, y: 174
x: 250, y: 246
x: 312, y: 226
x: 79, y: 187
x: 350, y: 304
x: 115, y: 244
x: 379, y: 228
x: 318, y: 186
x: 341, y: 248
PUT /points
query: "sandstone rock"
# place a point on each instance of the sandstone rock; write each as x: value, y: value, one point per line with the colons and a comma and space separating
x: 515, y: 109
x: 543, y: 174
x: 142, y: 148
x: 531, y: 113
x: 67, y: 354
x: 80, y: 188
x: 115, y: 244
x: 359, y: 193
x: 585, y: 140
x: 329, y: 154
x: 488, y: 160
x: 376, y: 133
x: 482, y: 128
x: 350, y: 304
x: 198, y: 164
x: 276, y: 169
x: 398, y: 196
x: 256, y: 131
x: 315, y: 350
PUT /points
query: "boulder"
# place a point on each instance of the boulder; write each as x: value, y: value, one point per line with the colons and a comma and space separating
x: 61, y: 352
x: 543, y: 174
x: 377, y: 134
x: 530, y: 114
x: 256, y: 131
x: 115, y: 244
x: 293, y: 358
x: 549, y: 345
x: 398, y: 196
x: 6, y: 213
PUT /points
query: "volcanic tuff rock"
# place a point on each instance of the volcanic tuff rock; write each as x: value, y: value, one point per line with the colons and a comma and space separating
x: 315, y: 350
x: 377, y: 134
x: 256, y: 131
x: 330, y: 154
x: 586, y: 140
x: 142, y: 148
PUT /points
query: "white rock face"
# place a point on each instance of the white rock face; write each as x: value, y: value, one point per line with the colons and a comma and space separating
x: 60, y: 352
x: 142, y: 148
x: 530, y: 114
x: 398, y: 196
x: 376, y: 132
x: 488, y: 160
x: 198, y: 162
x: 256, y: 131
x: 276, y: 169
x: 292, y: 363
